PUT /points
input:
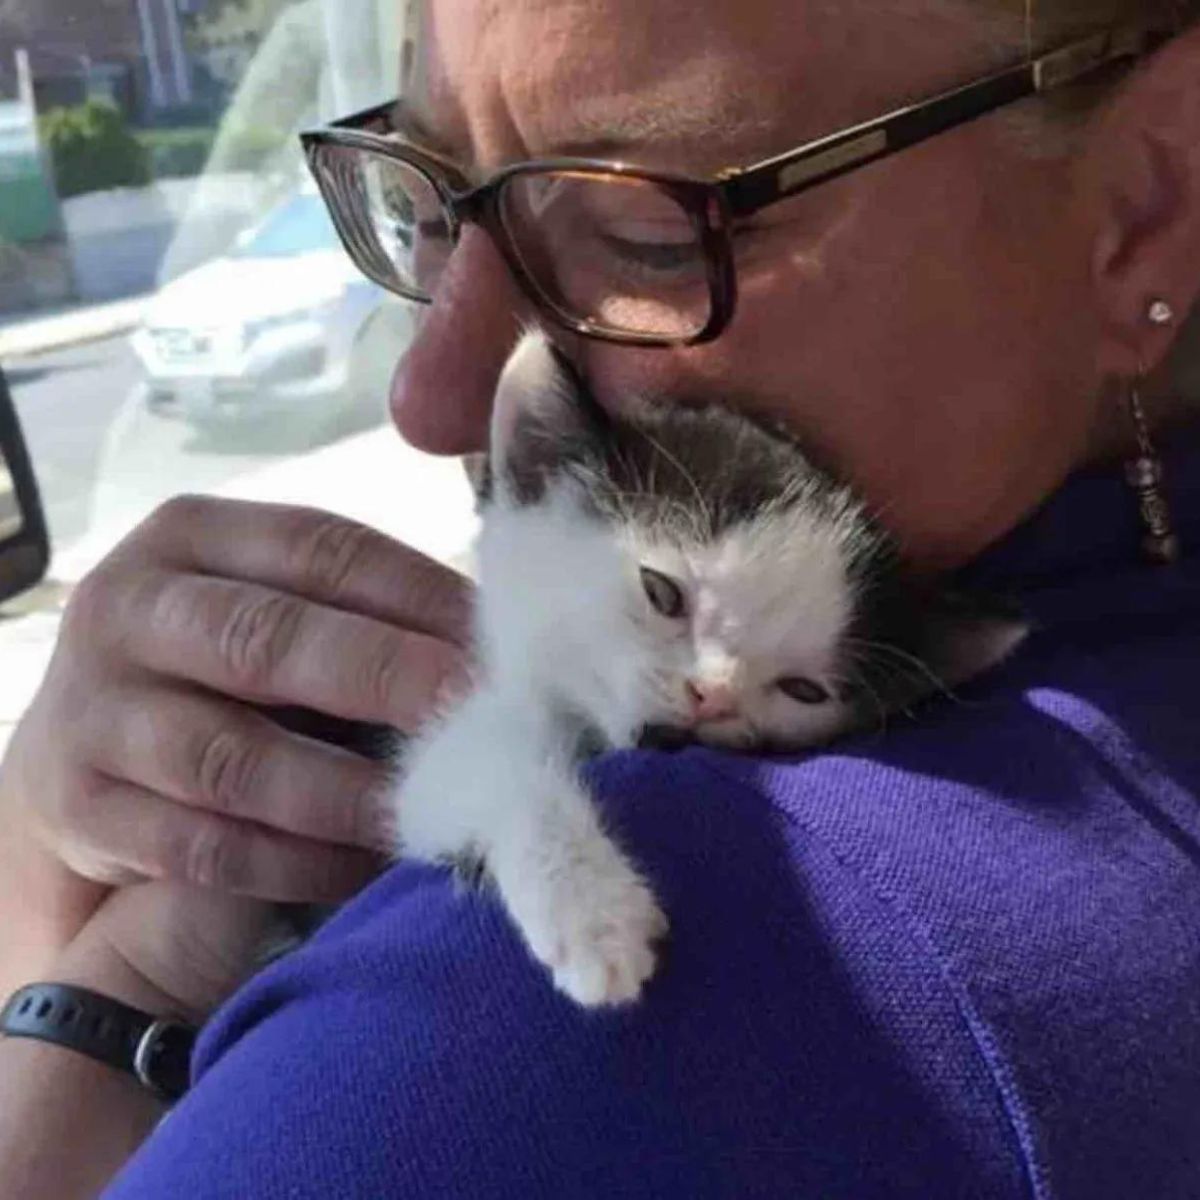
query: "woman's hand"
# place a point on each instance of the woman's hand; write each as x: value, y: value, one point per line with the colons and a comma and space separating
x: 168, y: 948
x: 145, y: 754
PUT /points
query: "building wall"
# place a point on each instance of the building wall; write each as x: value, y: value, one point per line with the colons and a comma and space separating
x: 58, y: 32
x: 64, y: 37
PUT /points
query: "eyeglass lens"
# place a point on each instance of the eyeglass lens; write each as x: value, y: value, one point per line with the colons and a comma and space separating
x: 619, y: 254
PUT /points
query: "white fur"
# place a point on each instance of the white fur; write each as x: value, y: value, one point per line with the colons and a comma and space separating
x: 566, y: 632
x: 766, y: 600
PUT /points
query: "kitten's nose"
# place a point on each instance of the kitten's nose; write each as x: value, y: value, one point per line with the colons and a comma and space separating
x: 710, y: 699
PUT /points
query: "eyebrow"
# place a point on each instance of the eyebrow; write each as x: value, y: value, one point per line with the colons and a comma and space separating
x: 627, y: 136
x: 406, y: 120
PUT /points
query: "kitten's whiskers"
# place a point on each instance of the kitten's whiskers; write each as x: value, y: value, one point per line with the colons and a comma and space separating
x: 916, y: 666
x: 860, y: 681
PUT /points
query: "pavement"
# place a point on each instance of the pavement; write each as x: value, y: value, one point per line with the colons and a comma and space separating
x: 86, y: 323
x: 29, y: 624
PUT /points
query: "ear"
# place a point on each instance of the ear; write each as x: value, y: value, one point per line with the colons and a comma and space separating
x: 540, y: 412
x: 967, y: 635
x: 1143, y: 166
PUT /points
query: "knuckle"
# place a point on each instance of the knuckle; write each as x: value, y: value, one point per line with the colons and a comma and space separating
x: 437, y: 598
x: 210, y: 856
x: 177, y: 512
x: 109, y: 602
x: 226, y: 767
x: 328, y: 550
x: 383, y: 676
x: 258, y: 635
x: 90, y: 606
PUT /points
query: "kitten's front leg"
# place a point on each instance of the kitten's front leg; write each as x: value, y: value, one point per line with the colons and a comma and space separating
x: 583, y: 909
x: 492, y: 781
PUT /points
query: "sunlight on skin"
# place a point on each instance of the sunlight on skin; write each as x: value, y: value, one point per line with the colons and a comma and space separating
x: 930, y: 326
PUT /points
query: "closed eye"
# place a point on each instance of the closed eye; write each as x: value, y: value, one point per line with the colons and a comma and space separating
x: 662, y: 592
x: 802, y: 690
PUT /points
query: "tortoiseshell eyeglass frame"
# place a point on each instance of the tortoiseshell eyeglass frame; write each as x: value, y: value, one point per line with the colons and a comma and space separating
x: 713, y: 204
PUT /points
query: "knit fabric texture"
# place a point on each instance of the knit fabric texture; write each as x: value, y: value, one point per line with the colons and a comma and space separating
x: 956, y: 959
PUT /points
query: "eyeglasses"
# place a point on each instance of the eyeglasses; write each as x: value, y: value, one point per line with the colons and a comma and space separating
x: 610, y: 250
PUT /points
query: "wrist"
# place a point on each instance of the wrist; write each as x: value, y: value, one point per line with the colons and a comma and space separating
x: 67, y: 1120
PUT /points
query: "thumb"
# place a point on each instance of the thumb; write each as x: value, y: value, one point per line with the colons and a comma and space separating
x: 193, y: 945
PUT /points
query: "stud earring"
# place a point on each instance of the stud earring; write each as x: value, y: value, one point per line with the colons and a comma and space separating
x: 1144, y: 472
x: 1160, y: 313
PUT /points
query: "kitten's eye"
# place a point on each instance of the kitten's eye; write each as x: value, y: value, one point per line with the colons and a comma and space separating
x: 805, y: 691
x: 663, y: 592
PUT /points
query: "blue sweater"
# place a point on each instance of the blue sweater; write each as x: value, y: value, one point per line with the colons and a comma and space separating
x: 958, y: 960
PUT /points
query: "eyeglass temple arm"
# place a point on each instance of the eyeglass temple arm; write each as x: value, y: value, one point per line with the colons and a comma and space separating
x: 749, y: 189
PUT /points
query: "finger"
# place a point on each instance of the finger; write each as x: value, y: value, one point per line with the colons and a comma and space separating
x: 310, y: 553
x: 125, y: 832
x: 215, y: 753
x: 272, y: 648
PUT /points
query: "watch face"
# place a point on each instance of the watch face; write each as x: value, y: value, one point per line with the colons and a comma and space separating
x: 168, y: 1058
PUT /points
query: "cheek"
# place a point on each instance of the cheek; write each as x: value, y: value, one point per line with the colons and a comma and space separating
x: 792, y: 726
x: 906, y: 347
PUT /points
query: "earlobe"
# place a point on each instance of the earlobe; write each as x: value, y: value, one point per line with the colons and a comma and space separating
x: 1146, y: 177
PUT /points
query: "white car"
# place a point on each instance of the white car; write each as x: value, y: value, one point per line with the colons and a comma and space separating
x: 282, y: 328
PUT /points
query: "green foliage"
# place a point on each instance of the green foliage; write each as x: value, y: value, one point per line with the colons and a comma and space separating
x: 224, y: 21
x: 176, y: 153
x: 93, y: 148
x: 248, y: 147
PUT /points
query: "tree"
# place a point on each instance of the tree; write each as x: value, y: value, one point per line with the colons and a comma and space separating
x: 224, y: 21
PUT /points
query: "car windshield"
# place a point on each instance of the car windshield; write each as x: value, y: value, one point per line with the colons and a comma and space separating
x: 148, y: 153
x: 301, y: 226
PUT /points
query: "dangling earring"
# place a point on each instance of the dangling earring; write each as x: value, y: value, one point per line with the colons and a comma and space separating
x: 1144, y: 473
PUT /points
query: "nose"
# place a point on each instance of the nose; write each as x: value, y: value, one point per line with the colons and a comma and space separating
x: 441, y: 393
x: 710, y: 699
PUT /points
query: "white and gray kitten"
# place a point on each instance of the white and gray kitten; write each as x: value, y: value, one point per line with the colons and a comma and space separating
x: 672, y: 574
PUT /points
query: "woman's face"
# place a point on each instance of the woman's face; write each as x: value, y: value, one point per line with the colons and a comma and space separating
x: 924, y: 324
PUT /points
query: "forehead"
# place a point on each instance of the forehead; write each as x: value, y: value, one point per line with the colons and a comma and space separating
x: 696, y: 84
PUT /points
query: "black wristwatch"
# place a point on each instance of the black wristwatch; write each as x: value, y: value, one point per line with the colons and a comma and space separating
x: 154, y: 1050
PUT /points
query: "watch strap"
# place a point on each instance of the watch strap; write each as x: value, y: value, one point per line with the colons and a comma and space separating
x: 154, y: 1050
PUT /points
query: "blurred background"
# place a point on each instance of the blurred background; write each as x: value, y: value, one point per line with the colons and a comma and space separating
x: 176, y: 313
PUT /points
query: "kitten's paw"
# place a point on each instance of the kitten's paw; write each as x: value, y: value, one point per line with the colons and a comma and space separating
x: 594, y: 922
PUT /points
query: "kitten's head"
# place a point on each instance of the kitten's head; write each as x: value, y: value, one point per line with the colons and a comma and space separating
x: 689, y: 571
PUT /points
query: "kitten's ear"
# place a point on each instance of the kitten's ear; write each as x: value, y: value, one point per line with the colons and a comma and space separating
x: 967, y: 635
x: 540, y: 413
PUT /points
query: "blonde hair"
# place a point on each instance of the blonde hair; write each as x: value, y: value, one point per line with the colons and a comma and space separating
x: 1026, y: 28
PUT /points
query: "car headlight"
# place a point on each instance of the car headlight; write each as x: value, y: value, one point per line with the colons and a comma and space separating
x: 253, y: 330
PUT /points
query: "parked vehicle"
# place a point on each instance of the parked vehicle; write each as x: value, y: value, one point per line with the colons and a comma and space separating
x: 283, y: 328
